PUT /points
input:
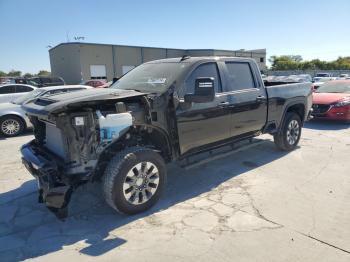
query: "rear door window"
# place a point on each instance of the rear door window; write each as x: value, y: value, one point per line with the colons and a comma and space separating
x: 23, y: 89
x: 10, y: 89
x: 239, y: 76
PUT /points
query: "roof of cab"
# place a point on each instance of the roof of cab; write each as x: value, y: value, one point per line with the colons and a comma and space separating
x: 194, y: 59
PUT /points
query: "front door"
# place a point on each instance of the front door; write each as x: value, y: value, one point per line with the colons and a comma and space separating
x: 201, y: 124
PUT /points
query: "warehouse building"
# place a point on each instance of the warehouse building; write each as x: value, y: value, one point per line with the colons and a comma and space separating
x: 78, y: 62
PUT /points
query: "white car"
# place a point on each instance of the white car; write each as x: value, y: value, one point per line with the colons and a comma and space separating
x: 343, y: 76
x: 13, y: 120
x: 10, y: 92
x: 318, y: 81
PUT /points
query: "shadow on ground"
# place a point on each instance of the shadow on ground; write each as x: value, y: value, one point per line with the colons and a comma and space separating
x: 29, y: 230
x: 27, y: 132
x: 326, y: 125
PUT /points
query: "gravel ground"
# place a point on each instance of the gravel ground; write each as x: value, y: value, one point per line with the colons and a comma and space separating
x: 256, y: 204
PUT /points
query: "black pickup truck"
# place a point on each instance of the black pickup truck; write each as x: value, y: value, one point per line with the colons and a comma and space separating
x: 161, y: 111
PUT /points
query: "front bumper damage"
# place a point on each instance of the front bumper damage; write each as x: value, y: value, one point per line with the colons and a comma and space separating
x: 53, y: 190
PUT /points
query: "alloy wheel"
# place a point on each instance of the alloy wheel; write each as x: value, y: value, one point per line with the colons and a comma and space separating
x: 293, y: 132
x: 10, y: 127
x: 141, y: 183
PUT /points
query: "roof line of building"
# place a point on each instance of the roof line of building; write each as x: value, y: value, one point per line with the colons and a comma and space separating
x: 256, y: 51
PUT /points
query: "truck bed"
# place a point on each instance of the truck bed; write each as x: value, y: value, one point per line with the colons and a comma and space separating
x: 280, y: 95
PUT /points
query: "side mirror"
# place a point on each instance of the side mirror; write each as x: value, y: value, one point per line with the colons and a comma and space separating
x: 204, y: 91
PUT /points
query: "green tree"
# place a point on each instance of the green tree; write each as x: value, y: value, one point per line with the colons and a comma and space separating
x: 44, y: 73
x: 27, y: 75
x: 293, y: 62
x: 14, y: 73
x: 2, y: 73
x: 285, y: 62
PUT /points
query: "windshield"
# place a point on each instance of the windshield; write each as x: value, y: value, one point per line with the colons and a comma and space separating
x: 334, y: 87
x: 33, y: 81
x: 30, y: 96
x: 151, y: 77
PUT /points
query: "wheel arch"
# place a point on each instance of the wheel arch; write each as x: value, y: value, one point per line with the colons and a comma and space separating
x: 143, y: 136
x: 297, y: 107
x: 16, y: 115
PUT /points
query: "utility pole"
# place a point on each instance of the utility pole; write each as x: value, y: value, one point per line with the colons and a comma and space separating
x: 67, y: 36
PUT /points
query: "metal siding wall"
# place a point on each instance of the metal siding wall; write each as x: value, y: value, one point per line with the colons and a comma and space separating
x: 96, y: 55
x: 200, y: 52
x: 175, y: 53
x: 72, y: 61
x: 65, y: 62
x: 150, y: 54
x: 224, y: 53
x: 127, y: 56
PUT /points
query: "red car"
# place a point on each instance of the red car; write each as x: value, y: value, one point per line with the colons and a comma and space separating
x: 95, y: 83
x: 331, y: 101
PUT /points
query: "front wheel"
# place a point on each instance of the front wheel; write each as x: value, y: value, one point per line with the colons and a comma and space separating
x: 134, y: 180
x: 289, y: 135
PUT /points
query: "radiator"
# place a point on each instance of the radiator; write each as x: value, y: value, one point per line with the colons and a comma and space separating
x: 55, y: 141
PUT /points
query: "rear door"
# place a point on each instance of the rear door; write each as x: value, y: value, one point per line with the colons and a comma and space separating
x: 7, y: 93
x: 203, y: 123
x: 21, y: 90
x: 247, y: 96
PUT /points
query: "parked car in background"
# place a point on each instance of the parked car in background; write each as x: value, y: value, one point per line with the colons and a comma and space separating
x: 95, y: 83
x: 305, y: 78
x: 13, y: 120
x: 343, y: 76
x: 332, y: 101
x: 323, y: 75
x: 302, y: 78
x: 10, y: 92
x: 42, y: 81
x: 106, y: 85
x: 319, y: 81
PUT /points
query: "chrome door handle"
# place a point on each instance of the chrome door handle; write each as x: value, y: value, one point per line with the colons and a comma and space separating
x: 223, y: 104
x: 260, y: 98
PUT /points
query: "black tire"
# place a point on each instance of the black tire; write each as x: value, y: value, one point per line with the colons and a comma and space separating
x: 287, y: 139
x: 17, y: 123
x: 118, y: 172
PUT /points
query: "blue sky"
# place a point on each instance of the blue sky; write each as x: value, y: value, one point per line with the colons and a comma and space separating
x: 313, y: 29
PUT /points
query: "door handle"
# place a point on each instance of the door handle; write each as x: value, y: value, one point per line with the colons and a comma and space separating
x: 260, y: 98
x: 223, y: 104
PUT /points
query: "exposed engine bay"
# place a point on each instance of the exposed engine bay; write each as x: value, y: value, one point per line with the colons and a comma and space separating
x: 78, y: 142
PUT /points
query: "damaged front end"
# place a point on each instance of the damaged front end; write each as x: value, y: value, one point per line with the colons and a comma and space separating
x: 54, y: 192
x: 70, y: 140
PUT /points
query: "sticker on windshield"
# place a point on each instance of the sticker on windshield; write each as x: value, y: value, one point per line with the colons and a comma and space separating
x: 156, y: 81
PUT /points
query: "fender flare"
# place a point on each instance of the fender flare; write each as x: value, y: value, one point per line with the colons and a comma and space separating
x: 298, y: 101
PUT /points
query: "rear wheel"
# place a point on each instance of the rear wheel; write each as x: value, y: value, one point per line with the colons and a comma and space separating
x: 11, y: 126
x: 289, y: 135
x: 134, y: 180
